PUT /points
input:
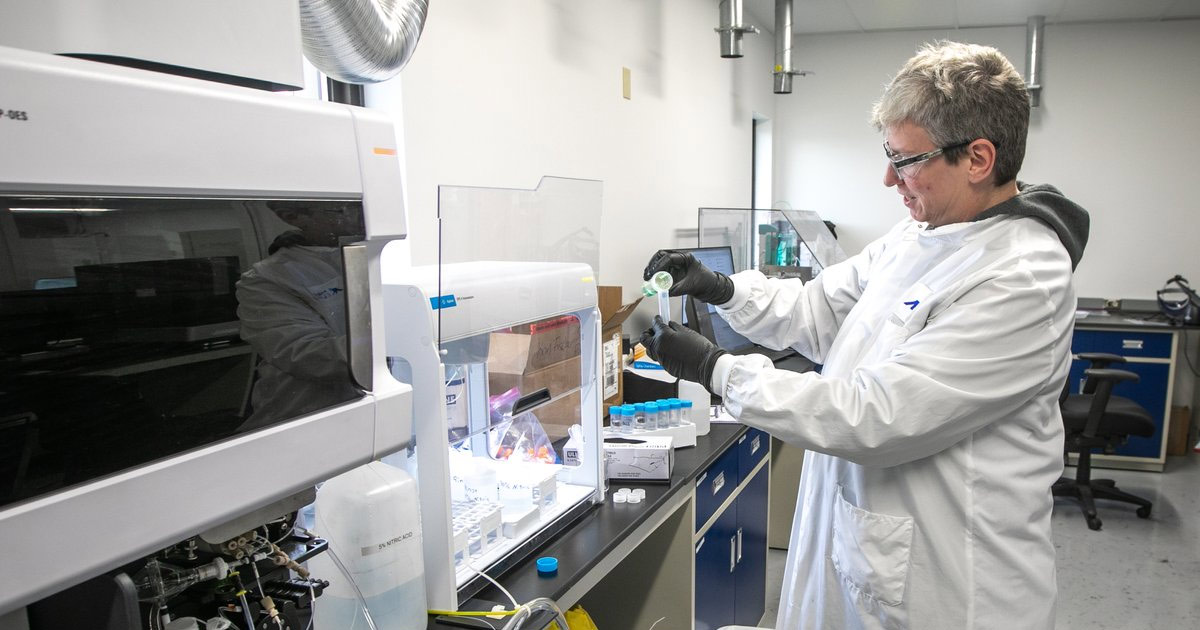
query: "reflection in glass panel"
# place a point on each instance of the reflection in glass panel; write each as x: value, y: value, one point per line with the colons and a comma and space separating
x: 132, y: 329
x: 519, y: 394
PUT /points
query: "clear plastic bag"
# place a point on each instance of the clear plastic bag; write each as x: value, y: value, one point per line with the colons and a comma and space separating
x: 500, y: 406
x: 523, y: 439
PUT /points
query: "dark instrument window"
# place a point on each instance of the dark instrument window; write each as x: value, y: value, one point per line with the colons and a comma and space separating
x: 132, y: 329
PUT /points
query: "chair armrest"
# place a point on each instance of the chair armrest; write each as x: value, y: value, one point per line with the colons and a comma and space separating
x: 1097, y: 357
x: 1099, y: 361
x: 1109, y: 374
x: 1102, y: 382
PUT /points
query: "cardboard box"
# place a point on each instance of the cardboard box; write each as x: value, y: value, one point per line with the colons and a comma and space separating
x: 613, y: 314
x: 536, y: 356
x: 639, y: 458
x: 1178, y: 431
x: 535, y: 346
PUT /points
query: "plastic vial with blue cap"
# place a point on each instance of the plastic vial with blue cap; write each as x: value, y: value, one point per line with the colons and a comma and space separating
x: 629, y: 422
x: 676, y: 411
x: 651, y: 416
x: 639, y: 415
x: 660, y: 283
x: 685, y: 411
x: 614, y: 418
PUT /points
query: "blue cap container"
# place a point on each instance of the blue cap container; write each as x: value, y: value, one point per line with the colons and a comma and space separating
x: 547, y: 566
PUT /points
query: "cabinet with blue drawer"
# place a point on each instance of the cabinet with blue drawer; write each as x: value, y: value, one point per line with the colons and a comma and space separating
x: 731, y: 535
x: 1150, y: 354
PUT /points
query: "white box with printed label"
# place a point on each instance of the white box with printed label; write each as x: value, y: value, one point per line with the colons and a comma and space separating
x: 648, y: 458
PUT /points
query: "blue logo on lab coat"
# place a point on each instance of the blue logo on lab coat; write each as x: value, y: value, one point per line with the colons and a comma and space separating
x: 443, y: 301
x: 912, y: 306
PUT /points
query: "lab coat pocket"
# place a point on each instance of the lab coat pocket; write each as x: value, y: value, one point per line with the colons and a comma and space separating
x: 871, y: 551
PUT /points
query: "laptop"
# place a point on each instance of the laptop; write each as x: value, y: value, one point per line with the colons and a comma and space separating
x: 703, y: 318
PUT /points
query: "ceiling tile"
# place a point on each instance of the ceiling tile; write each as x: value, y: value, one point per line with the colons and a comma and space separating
x: 1101, y: 10
x: 838, y: 16
x: 1183, y: 9
x: 808, y: 16
x: 823, y: 16
x: 1011, y: 12
x: 876, y: 15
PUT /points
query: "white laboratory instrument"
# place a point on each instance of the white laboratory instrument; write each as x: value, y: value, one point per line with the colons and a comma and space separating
x: 124, y: 409
x: 524, y: 338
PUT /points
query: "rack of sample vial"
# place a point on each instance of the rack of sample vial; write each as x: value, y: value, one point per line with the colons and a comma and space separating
x: 664, y: 416
x: 497, y: 504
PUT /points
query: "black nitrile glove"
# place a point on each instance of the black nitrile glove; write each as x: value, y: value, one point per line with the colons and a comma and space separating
x: 690, y: 277
x: 683, y: 353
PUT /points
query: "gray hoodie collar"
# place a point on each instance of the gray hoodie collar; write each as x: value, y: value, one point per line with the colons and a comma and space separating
x: 1045, y: 202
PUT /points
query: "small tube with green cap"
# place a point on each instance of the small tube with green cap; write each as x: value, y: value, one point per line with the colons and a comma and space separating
x: 660, y: 283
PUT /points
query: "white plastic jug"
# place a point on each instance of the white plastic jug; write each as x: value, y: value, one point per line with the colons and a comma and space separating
x: 370, y: 518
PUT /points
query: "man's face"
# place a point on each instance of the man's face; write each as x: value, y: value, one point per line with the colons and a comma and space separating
x: 934, y: 191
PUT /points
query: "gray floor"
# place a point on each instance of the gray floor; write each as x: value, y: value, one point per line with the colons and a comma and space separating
x: 1133, y: 573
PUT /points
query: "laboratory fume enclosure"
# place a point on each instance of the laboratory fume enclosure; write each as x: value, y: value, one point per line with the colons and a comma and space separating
x: 190, y: 342
x: 500, y: 341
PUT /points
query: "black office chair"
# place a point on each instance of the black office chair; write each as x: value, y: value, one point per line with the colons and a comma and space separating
x: 1097, y: 419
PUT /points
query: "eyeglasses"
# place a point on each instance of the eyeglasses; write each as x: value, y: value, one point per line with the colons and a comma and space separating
x: 906, y: 168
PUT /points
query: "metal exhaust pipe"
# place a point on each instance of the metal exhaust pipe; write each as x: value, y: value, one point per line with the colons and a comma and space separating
x: 1035, y: 33
x: 732, y: 29
x: 361, y: 41
x: 784, y: 71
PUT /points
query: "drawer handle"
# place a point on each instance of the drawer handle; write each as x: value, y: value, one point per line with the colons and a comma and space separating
x: 732, y: 553
x: 700, y: 544
x: 718, y: 483
x: 755, y: 444
x: 1132, y: 344
x: 739, y: 539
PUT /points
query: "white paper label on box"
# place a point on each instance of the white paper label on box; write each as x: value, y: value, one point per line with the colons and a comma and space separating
x: 612, y: 366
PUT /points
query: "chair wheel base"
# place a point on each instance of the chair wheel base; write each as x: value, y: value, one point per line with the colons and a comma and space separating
x: 1093, y: 523
x: 1143, y: 512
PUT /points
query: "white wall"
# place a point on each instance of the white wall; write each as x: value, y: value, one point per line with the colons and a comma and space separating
x: 1115, y: 132
x: 500, y: 93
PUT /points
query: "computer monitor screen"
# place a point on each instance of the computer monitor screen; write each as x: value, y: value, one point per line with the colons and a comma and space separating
x: 708, y: 322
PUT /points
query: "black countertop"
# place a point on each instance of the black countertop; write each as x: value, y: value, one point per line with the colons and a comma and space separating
x: 1155, y: 322
x: 597, y: 533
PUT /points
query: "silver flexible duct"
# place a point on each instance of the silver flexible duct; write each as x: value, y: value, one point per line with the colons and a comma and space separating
x: 732, y: 29
x: 361, y: 41
x: 784, y: 71
x: 1035, y: 31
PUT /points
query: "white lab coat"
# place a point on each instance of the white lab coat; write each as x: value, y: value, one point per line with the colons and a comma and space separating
x: 292, y: 311
x: 933, y: 430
